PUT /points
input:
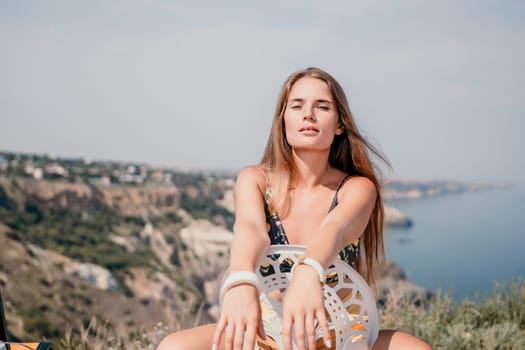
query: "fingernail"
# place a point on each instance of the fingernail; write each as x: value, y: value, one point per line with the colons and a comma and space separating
x: 214, y: 347
x: 327, y: 343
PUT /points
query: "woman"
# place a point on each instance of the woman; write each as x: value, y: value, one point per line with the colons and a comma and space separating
x: 315, y: 180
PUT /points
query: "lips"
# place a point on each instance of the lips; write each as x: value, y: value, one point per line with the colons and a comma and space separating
x: 308, y: 129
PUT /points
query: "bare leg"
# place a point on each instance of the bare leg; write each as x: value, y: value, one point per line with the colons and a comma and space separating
x: 198, y: 338
x: 396, y: 340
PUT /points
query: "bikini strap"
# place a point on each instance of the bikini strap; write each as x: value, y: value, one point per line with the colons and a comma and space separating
x: 335, y: 200
x: 342, y: 183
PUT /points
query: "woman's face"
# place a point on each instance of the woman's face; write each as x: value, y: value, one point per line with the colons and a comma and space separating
x: 311, y: 119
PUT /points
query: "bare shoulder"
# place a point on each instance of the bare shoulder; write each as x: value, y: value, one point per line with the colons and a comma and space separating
x: 359, y: 186
x: 251, y: 175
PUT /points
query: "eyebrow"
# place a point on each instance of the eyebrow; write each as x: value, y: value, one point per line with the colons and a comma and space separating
x: 317, y: 101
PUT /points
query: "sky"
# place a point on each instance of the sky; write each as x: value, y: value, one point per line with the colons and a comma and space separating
x: 438, y: 86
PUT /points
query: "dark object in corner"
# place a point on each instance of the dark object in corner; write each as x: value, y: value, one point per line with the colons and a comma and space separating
x: 3, y: 324
x: 4, y: 344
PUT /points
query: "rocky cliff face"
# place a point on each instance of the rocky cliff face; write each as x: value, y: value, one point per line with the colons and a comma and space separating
x: 43, y: 294
x: 129, y: 200
x: 46, y: 289
x: 58, y: 289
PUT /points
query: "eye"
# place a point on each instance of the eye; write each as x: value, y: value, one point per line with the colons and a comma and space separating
x: 296, y: 107
x: 323, y: 108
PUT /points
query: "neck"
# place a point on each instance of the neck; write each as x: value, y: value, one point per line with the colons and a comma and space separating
x: 311, y: 168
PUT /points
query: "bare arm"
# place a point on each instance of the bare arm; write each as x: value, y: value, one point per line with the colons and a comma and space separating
x: 345, y: 223
x: 241, y: 313
x: 303, y: 303
x: 250, y: 238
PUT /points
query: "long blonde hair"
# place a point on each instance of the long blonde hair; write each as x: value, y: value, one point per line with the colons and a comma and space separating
x: 349, y: 153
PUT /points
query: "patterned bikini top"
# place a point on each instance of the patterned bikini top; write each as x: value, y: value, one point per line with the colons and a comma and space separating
x: 348, y: 254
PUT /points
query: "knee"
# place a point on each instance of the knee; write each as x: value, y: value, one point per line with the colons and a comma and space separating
x: 424, y: 346
x: 418, y: 344
x: 421, y: 345
x: 396, y: 340
x: 171, y: 342
x: 193, y: 338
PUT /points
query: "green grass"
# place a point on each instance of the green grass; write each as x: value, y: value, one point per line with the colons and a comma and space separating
x: 100, y: 336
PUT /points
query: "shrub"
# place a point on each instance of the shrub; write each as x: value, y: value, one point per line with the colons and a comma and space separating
x: 496, y: 321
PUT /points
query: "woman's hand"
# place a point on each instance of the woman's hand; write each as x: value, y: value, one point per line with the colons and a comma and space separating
x: 304, y: 304
x: 240, y: 319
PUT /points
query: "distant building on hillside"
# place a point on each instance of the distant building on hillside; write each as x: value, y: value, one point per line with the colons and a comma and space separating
x: 56, y: 169
x: 101, y: 180
x: 38, y: 173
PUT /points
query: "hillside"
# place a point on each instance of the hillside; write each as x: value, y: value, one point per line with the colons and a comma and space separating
x: 125, y: 254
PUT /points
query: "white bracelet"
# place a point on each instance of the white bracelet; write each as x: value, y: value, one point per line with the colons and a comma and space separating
x: 313, y: 263
x: 236, y: 278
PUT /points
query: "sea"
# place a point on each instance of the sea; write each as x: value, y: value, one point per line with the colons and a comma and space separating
x: 462, y: 244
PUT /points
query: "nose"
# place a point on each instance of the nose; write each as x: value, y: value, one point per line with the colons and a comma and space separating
x: 308, y: 113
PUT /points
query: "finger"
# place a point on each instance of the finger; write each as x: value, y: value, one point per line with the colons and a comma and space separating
x: 323, y: 323
x: 286, y: 332
x: 219, y: 330
x: 228, y: 337
x: 250, y: 336
x: 299, y: 333
x: 309, y: 326
x: 238, y: 339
